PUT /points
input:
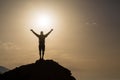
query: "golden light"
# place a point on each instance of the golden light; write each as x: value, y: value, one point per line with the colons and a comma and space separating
x: 45, y: 20
x: 40, y: 21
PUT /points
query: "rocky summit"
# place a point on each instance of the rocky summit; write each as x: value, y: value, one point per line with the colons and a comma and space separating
x: 40, y: 70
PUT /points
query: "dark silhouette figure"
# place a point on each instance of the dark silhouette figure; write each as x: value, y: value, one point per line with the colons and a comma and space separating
x: 41, y: 38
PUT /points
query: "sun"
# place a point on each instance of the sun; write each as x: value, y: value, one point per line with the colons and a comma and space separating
x: 43, y: 20
x: 40, y: 21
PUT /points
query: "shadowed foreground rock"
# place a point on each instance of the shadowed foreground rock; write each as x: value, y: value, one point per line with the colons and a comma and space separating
x: 41, y: 70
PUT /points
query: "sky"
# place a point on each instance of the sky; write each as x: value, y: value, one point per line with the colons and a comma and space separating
x: 85, y: 37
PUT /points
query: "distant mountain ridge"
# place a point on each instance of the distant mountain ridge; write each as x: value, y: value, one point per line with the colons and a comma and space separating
x: 40, y: 70
x: 3, y: 69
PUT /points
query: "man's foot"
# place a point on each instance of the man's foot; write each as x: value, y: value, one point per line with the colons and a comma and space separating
x: 41, y: 59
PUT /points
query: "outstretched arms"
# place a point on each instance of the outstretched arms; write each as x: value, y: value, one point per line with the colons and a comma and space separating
x: 34, y: 33
x: 49, y: 32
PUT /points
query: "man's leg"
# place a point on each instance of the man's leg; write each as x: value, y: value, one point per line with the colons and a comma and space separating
x: 40, y: 54
x: 43, y: 50
x: 40, y: 51
x: 43, y: 54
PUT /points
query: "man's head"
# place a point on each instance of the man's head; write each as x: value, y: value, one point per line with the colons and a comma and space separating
x: 41, y: 32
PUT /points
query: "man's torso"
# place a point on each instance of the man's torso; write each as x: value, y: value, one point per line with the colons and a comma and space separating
x: 41, y: 39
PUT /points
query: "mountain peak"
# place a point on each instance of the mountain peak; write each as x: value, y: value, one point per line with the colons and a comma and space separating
x: 3, y: 69
x: 40, y: 70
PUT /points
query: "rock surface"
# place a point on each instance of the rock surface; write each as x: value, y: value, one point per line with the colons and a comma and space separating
x: 40, y: 70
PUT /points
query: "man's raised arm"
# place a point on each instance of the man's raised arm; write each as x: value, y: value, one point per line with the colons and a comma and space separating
x: 49, y: 32
x: 34, y: 33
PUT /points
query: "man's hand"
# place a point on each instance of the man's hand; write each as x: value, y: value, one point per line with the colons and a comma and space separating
x: 31, y: 29
x: 51, y: 29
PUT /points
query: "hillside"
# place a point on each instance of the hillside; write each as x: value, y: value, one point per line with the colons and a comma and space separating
x: 40, y: 70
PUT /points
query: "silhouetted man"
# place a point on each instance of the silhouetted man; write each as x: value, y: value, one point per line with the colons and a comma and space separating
x: 42, y: 37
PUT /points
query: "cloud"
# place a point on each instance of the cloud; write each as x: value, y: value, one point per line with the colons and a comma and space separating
x: 8, y: 46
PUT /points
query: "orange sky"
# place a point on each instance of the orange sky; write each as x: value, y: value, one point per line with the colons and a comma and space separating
x: 85, y: 37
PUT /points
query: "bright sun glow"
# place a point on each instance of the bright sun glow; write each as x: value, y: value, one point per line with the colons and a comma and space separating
x: 43, y: 20
x: 40, y: 21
